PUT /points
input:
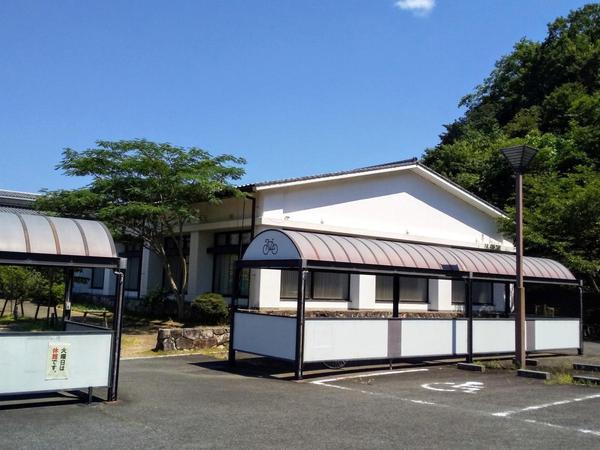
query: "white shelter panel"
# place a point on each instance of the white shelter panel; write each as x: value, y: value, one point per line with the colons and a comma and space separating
x: 460, y: 336
x: 329, y: 340
x: 265, y: 335
x: 429, y: 337
x: 552, y: 334
x: 26, y: 361
x: 493, y: 336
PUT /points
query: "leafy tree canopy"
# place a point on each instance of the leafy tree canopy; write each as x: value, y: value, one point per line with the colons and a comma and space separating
x: 547, y: 95
x: 147, y: 192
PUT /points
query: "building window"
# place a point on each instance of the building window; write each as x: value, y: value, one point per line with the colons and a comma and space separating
x: 459, y: 291
x: 384, y: 288
x: 133, y: 253
x: 319, y: 285
x: 227, y: 249
x: 412, y: 289
x: 97, y: 278
x: 224, y: 273
x: 483, y: 293
x: 289, y: 284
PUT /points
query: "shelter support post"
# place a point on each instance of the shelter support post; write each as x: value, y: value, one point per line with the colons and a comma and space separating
x: 580, y: 291
x: 299, y: 357
x: 233, y: 309
x: 469, y: 305
x: 67, y: 295
x: 396, y: 296
x: 117, y: 329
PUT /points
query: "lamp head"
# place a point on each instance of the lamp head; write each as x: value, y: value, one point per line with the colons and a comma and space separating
x: 519, y: 157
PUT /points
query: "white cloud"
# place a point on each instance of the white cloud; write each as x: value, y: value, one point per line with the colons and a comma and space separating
x: 418, y: 7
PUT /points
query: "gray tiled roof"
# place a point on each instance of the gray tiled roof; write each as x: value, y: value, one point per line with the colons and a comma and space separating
x: 15, y: 199
x: 390, y: 165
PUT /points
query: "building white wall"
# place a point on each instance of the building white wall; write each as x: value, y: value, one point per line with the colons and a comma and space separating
x: 400, y: 205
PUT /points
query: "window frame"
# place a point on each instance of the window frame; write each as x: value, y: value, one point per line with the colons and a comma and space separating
x: 491, y: 284
x: 401, y: 301
x: 464, y: 300
x: 93, y: 277
x: 309, y: 289
x: 229, y: 249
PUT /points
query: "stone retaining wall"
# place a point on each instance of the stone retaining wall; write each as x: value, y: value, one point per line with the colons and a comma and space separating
x: 191, y: 338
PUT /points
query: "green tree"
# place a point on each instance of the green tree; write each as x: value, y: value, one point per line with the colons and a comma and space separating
x: 147, y: 192
x: 547, y: 95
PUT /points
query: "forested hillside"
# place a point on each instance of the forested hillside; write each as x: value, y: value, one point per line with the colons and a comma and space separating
x: 545, y: 94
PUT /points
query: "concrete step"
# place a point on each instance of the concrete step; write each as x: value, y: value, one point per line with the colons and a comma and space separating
x: 586, y: 367
x: 533, y: 374
x: 586, y: 379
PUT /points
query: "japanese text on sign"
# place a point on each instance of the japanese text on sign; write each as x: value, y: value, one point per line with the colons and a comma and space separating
x: 57, y: 367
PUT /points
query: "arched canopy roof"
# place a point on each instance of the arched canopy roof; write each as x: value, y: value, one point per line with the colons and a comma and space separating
x: 288, y: 248
x: 33, y: 239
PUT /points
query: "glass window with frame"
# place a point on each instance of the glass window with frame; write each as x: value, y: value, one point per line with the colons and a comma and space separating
x: 384, y: 288
x: 133, y: 252
x: 224, y: 274
x: 289, y: 284
x: 132, y: 273
x: 413, y: 289
x: 319, y: 285
x: 459, y: 291
x: 330, y: 286
x: 483, y: 293
x: 97, y: 281
x: 227, y: 248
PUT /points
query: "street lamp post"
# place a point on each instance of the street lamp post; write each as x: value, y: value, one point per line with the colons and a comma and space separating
x: 519, y: 158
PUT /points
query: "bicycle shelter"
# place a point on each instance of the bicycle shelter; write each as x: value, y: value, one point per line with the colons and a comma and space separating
x: 82, y: 356
x: 300, y: 339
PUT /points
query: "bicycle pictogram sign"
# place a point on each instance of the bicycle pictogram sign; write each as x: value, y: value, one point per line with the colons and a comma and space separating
x: 270, y: 247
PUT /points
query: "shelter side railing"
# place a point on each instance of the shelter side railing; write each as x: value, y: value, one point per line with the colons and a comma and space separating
x: 265, y: 335
x: 327, y: 339
x: 35, y: 362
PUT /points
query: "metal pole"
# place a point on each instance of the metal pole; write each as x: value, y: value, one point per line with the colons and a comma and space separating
x: 299, y: 359
x: 67, y: 296
x: 117, y: 328
x: 469, y: 295
x: 520, y: 344
x: 234, y: 301
x: 396, y: 295
x: 580, y: 288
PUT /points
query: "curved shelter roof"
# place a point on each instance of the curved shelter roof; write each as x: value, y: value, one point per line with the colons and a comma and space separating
x: 279, y: 248
x: 35, y: 239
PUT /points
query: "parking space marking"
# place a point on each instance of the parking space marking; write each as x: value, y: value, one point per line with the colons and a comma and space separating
x: 545, y: 405
x: 470, y: 387
x: 365, y: 375
x: 328, y: 381
x: 503, y: 414
x: 562, y: 427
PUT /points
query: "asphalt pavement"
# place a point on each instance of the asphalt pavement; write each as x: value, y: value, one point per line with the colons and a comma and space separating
x: 196, y: 402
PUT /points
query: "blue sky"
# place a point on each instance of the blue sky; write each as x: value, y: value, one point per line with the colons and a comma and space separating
x: 296, y: 87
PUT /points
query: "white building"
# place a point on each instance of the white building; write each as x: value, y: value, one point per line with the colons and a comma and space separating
x: 403, y: 201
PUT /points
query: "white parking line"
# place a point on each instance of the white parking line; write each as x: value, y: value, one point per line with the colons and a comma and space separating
x: 365, y: 375
x: 545, y: 405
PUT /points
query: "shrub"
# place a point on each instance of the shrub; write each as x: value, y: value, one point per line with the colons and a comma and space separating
x: 210, y: 309
x: 157, y: 302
